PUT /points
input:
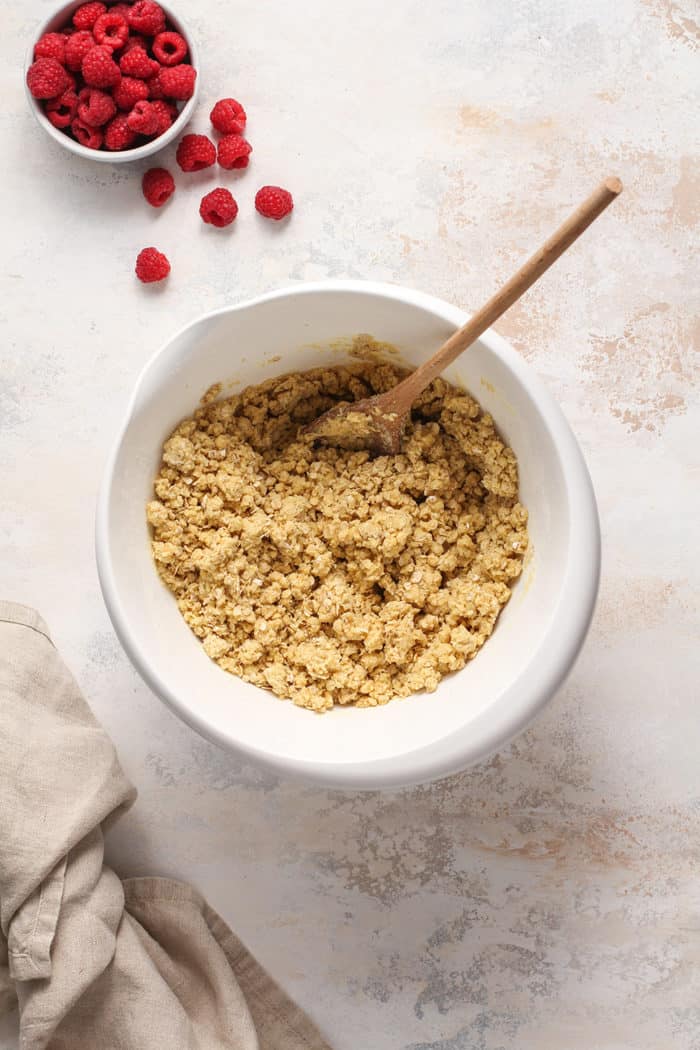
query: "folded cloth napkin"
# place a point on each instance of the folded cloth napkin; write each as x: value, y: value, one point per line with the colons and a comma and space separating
x: 96, y: 963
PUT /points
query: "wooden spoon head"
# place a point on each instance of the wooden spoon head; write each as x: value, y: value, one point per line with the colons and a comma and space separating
x: 360, y: 425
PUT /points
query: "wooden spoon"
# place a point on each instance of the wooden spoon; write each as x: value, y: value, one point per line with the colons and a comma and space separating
x: 377, y: 423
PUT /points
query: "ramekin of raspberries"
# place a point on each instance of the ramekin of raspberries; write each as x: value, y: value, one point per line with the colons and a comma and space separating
x: 113, y: 81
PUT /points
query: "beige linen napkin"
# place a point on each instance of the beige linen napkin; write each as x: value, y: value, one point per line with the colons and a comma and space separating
x: 96, y: 963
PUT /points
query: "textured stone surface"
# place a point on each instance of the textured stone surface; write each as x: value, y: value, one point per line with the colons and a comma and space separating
x: 548, y: 899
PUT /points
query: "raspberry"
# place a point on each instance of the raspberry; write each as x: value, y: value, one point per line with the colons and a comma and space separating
x: 136, y: 63
x: 155, y: 91
x: 195, y: 152
x: 151, y: 265
x: 86, y: 136
x: 62, y: 110
x: 77, y: 46
x: 158, y: 186
x: 46, y: 78
x: 111, y: 30
x: 143, y: 119
x: 166, y: 112
x: 95, y: 107
x: 99, y: 68
x: 233, y: 152
x: 87, y: 14
x: 51, y: 45
x: 273, y: 202
x: 147, y: 17
x: 135, y: 40
x: 218, y: 208
x: 121, y: 9
x: 228, y: 117
x: 128, y: 92
x: 169, y: 48
x: 177, y: 82
x: 118, y: 134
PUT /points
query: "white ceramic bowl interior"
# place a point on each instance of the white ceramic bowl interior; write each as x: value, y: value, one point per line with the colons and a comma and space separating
x: 56, y: 22
x: 538, y: 635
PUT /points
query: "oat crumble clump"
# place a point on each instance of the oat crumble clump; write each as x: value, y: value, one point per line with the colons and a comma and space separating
x: 325, y: 575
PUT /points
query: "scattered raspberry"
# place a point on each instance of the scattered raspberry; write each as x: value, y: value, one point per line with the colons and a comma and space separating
x: 273, y: 202
x: 86, y: 136
x: 46, y: 78
x: 169, y: 48
x: 158, y: 186
x: 62, y: 110
x: 99, y: 68
x: 234, y: 152
x: 51, y: 45
x: 95, y: 107
x: 178, y: 81
x: 87, y: 14
x: 111, y: 30
x: 118, y: 134
x: 147, y: 17
x: 218, y: 208
x: 151, y: 265
x: 228, y: 117
x: 136, y: 63
x: 195, y: 152
x: 128, y: 92
x: 77, y: 46
x: 143, y: 119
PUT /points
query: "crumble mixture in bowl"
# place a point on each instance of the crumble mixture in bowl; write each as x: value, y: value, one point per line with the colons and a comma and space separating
x: 474, y: 711
x: 328, y: 576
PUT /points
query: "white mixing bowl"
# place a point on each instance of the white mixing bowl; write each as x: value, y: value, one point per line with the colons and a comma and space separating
x: 473, y: 712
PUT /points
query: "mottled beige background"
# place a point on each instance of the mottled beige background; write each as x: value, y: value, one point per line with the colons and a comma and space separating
x: 549, y: 899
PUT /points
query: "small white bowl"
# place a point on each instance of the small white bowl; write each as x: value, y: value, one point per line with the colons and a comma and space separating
x: 473, y: 712
x: 60, y: 19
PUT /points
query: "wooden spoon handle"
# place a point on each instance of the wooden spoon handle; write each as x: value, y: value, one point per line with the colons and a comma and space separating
x: 511, y: 291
